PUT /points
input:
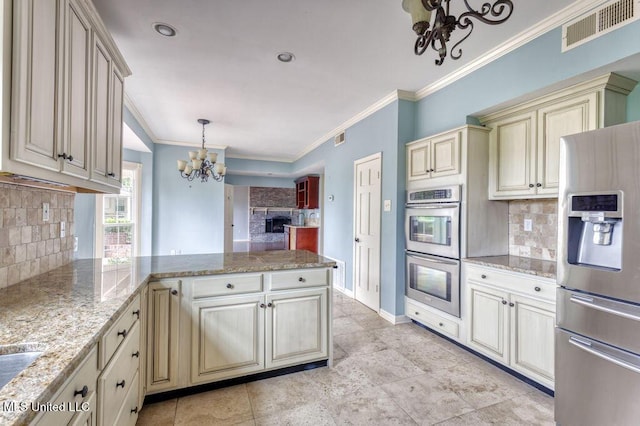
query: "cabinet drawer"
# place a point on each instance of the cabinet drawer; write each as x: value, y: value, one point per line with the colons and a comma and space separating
x: 530, y: 285
x: 118, y: 377
x: 128, y: 414
x: 224, y: 285
x: 69, y: 395
x: 298, y: 278
x: 118, y: 331
x: 432, y: 320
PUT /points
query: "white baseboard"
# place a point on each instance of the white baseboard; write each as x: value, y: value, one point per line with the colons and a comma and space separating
x: 394, y: 319
x: 345, y: 291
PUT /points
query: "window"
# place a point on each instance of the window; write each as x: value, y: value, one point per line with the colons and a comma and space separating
x: 117, y: 219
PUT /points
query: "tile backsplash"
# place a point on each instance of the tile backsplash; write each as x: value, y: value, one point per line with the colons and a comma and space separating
x: 30, y: 246
x: 541, y: 241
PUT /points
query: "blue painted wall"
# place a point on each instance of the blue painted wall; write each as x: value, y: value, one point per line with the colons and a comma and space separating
x: 261, y: 181
x: 187, y: 216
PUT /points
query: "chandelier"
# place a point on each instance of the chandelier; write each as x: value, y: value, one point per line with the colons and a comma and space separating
x: 201, y: 167
x: 438, y: 34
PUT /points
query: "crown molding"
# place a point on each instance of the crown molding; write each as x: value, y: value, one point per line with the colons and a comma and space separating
x: 190, y: 144
x: 568, y: 13
x: 390, y: 98
x: 139, y: 118
x: 254, y: 158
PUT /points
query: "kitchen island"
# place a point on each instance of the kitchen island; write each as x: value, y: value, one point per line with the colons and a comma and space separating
x: 66, y: 312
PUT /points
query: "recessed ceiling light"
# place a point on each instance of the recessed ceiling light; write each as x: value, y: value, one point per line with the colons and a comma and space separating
x: 164, y: 29
x: 286, y: 57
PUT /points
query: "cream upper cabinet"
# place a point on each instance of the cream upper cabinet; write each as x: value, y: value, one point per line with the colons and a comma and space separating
x: 67, y: 96
x: 525, y: 139
x: 434, y: 157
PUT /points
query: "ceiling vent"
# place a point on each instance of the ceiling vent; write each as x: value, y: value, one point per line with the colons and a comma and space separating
x: 338, y: 139
x: 608, y: 17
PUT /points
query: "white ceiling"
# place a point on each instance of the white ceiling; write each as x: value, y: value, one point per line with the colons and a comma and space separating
x: 222, y: 65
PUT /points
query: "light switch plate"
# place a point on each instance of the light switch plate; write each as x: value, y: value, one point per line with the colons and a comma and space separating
x: 528, y: 225
x: 387, y: 205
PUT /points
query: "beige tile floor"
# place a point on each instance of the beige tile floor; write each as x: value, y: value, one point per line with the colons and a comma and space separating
x: 382, y: 375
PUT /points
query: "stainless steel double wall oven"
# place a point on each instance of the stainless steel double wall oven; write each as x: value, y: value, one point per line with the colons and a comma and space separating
x: 432, y: 230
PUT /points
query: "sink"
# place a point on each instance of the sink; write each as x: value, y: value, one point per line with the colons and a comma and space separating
x: 13, y: 362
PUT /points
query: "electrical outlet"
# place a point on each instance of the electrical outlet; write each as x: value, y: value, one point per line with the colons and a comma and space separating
x: 45, y: 212
x: 528, y: 225
x: 387, y: 205
x: 63, y: 230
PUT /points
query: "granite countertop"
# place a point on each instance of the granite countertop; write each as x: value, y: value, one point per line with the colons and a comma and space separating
x: 64, y: 312
x: 525, y: 265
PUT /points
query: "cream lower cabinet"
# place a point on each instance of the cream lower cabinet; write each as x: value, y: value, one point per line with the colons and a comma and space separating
x: 511, y: 319
x: 240, y: 335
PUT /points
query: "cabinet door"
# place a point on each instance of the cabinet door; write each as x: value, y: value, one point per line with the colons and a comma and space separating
x: 418, y: 161
x: 532, y: 338
x: 488, y: 328
x: 37, y: 77
x: 296, y: 327
x: 445, y: 155
x: 77, y: 107
x: 163, y: 325
x: 512, y: 155
x: 87, y: 414
x: 115, y: 142
x: 227, y: 337
x: 561, y: 119
x: 101, y: 112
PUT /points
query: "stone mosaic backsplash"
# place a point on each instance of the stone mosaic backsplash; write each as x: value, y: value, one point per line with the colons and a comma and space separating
x: 30, y: 246
x: 541, y: 241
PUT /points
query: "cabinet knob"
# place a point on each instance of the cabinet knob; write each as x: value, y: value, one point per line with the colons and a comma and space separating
x: 432, y: 170
x: 441, y: 324
x: 134, y: 410
x: 120, y: 384
x: 111, y: 174
x: 538, y: 185
x: 301, y: 279
x: 123, y: 333
x: 483, y: 276
x: 504, y: 302
x: 136, y: 313
x: 270, y: 305
x: 537, y: 288
x: 512, y: 304
x: 417, y: 313
x: 83, y: 392
x: 531, y: 185
x: 262, y: 305
x: 229, y: 286
x: 135, y: 354
x: 174, y: 292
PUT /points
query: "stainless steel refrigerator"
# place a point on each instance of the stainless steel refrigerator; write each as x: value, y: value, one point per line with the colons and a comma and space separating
x: 597, y: 358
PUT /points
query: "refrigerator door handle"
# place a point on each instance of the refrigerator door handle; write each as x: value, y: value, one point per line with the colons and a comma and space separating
x: 631, y: 313
x: 588, y: 347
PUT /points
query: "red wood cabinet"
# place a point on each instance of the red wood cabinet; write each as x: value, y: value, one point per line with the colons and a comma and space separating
x: 301, y: 238
x: 307, y: 189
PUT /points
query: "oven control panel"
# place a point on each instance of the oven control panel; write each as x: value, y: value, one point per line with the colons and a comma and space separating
x: 436, y: 195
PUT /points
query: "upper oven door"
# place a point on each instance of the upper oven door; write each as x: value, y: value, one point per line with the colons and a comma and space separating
x: 434, y: 229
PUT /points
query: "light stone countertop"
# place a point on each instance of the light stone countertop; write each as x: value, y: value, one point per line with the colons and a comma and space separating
x: 65, y: 312
x: 525, y: 265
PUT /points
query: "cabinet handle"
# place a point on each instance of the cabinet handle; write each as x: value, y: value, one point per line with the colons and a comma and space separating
x: 483, y: 276
x: 136, y: 313
x: 301, y: 279
x: 174, y: 292
x: 538, y: 185
x: 512, y: 304
x: 537, y: 288
x: 229, y: 286
x: 504, y: 302
x: 84, y: 391
x: 134, y: 410
x: 123, y: 333
x: 111, y: 174
x: 262, y: 305
x: 135, y: 354
x: 64, y: 156
x: 120, y: 384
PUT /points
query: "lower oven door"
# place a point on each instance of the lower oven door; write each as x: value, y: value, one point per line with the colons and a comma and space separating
x: 434, y: 281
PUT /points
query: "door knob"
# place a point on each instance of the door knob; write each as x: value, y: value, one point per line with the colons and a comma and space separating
x: 357, y: 240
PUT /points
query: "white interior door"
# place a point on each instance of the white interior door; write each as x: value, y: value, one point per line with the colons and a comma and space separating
x: 228, y: 218
x: 367, y: 193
